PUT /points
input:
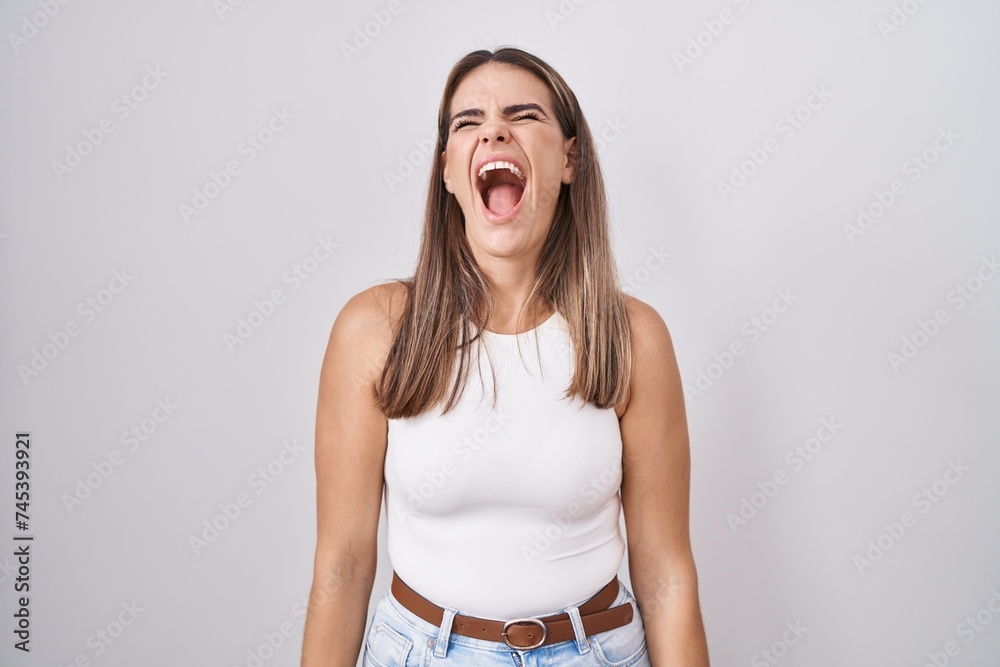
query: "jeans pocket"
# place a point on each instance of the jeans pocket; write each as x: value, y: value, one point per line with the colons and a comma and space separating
x: 385, y: 646
x: 624, y: 646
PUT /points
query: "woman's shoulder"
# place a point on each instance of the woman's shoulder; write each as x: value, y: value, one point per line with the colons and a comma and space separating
x: 653, y: 356
x: 377, y: 306
x: 651, y: 339
x: 644, y: 319
x: 647, y: 333
x: 367, y: 322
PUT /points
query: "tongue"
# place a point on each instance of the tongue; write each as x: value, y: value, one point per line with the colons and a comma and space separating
x: 500, y: 199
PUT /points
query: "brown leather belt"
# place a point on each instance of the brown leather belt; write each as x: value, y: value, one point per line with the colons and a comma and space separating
x: 523, y: 633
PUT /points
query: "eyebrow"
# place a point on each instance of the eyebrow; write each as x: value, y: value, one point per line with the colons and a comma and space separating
x: 507, y: 111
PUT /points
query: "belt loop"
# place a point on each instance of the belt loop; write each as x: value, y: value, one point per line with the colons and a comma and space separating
x: 582, y: 643
x: 444, y: 633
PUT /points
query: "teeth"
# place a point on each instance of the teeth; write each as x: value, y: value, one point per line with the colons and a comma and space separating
x: 490, y: 166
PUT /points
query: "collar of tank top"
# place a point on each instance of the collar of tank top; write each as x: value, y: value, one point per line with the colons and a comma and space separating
x: 547, y: 321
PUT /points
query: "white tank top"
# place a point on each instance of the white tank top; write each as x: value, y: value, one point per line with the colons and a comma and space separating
x: 514, y: 511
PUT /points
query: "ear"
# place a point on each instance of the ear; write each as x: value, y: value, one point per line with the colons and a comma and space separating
x: 444, y: 172
x: 569, y: 164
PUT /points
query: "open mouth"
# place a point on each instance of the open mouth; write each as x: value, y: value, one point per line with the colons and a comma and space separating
x: 501, y: 186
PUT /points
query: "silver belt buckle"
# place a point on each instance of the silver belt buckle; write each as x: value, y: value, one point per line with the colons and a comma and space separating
x: 503, y: 632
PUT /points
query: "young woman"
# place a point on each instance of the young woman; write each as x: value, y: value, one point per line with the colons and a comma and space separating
x: 503, y: 497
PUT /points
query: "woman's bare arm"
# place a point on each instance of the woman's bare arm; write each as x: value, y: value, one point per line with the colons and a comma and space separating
x: 350, y: 453
x: 656, y: 497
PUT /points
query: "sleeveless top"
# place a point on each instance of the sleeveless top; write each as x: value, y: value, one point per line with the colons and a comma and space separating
x: 514, y: 511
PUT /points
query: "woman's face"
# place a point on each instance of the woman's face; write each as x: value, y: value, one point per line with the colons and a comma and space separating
x: 502, y: 117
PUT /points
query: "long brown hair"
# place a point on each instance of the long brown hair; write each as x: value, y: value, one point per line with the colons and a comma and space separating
x: 576, y: 275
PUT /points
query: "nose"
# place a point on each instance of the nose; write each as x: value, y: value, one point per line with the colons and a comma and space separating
x: 492, y: 131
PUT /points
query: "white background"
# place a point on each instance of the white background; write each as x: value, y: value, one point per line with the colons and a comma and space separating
x: 673, y: 131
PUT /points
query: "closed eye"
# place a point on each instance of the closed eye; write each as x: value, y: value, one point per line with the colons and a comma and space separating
x: 465, y: 121
x: 462, y: 123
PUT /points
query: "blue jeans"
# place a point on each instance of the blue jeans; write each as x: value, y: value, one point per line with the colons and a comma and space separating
x: 399, y: 638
